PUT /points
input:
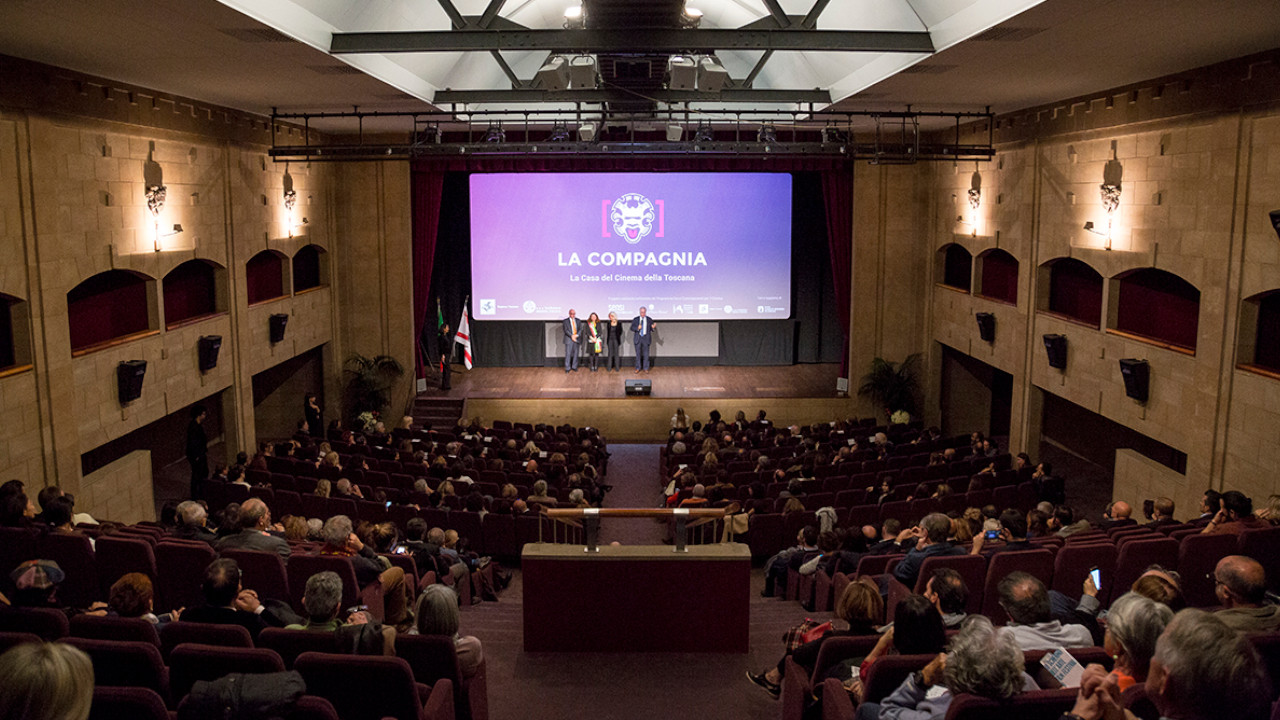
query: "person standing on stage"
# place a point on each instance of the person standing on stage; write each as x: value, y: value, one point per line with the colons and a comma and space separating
x: 613, y: 340
x: 198, y: 451
x: 572, y: 341
x: 642, y: 336
x: 445, y: 344
x: 595, y: 341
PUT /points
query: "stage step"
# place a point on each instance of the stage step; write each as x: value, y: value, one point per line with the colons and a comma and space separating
x: 437, y: 412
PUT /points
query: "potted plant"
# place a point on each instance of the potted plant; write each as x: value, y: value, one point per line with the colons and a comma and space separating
x: 893, y: 386
x: 369, y: 383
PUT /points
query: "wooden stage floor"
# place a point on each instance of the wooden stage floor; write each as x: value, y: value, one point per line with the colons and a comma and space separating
x: 788, y: 381
x: 795, y: 394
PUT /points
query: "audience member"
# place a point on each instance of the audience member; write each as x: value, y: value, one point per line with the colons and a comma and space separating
x: 45, y: 681
x: 930, y: 540
x: 1235, y: 516
x: 1012, y: 536
x: 192, y: 518
x: 917, y: 630
x: 1210, y: 503
x: 132, y: 596
x: 1117, y: 515
x: 775, y: 568
x: 983, y: 660
x: 254, y: 522
x: 437, y: 614
x: 341, y: 540
x: 1161, y: 513
x: 226, y: 602
x: 859, y: 606
x: 1064, y: 523
x: 1240, y: 584
x: 1134, y: 623
x: 1026, y: 601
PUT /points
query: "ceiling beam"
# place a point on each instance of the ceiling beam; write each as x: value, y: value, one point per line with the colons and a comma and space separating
x: 608, y: 95
x: 455, y: 17
x: 638, y: 40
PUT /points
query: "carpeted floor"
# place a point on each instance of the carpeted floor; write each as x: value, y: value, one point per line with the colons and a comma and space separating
x: 621, y: 686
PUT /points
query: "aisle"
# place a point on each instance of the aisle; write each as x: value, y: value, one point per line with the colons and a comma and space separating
x: 633, y: 472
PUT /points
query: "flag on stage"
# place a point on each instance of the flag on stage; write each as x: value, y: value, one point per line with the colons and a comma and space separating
x: 439, y: 327
x: 463, y: 337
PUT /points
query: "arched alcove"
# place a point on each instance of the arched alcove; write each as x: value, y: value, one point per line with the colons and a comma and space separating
x: 108, y: 306
x: 265, y: 277
x: 15, y: 335
x: 998, y: 276
x: 955, y: 266
x: 1074, y: 290
x: 310, y: 266
x: 193, y: 290
x: 1155, y: 304
x: 1260, y: 331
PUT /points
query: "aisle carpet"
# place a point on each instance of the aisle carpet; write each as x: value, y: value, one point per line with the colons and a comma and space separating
x: 625, y: 686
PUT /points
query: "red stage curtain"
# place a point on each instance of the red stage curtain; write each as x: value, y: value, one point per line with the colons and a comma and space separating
x: 837, y: 194
x: 427, y: 187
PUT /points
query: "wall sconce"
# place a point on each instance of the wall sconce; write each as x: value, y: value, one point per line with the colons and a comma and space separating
x: 1109, y: 193
x: 177, y: 229
x: 574, y: 18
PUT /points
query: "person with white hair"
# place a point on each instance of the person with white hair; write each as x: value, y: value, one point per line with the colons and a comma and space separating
x: 45, y: 681
x: 341, y: 540
x: 437, y: 614
x: 1201, y: 670
x: 192, y: 518
x: 983, y: 660
x: 1134, y: 624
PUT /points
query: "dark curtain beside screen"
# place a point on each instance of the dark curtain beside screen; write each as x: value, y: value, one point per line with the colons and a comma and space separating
x: 837, y: 193
x: 427, y: 196
x: 816, y: 332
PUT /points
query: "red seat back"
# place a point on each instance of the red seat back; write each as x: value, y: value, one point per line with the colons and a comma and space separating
x: 190, y: 662
x: 180, y: 566
x: 105, y: 627
x: 176, y: 633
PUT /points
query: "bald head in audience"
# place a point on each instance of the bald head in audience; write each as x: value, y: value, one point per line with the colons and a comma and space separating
x: 1121, y: 510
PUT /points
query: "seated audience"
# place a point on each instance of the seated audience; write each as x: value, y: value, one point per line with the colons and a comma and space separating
x: 917, y: 630
x: 341, y: 540
x: 1063, y: 522
x: 226, y: 602
x: 539, y: 494
x: 1012, y: 536
x: 1117, y: 515
x: 45, y: 681
x: 775, y: 568
x: 1161, y: 513
x: 1235, y: 516
x: 132, y: 596
x: 983, y: 660
x: 1210, y: 504
x: 1026, y: 601
x: 1201, y: 670
x: 192, y: 518
x: 860, y: 607
x: 1240, y: 584
x: 437, y: 614
x: 255, y: 531
x: 1134, y: 623
x: 322, y: 599
x: 930, y: 540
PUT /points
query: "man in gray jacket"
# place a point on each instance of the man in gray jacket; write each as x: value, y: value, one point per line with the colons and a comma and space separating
x: 255, y: 527
x: 1026, y: 600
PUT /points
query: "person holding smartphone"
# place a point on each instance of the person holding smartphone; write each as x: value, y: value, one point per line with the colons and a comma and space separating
x: 1011, y: 536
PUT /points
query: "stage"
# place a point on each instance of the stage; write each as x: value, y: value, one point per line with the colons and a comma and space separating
x: 800, y: 394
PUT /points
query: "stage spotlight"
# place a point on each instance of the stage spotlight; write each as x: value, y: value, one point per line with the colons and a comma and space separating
x: 674, y: 133
x: 587, y: 132
x: 582, y: 73
x: 835, y: 135
x: 554, y: 73
x: 574, y: 18
x: 712, y: 77
x: 767, y: 134
x: 704, y: 134
x: 682, y: 72
x: 691, y: 17
x: 495, y: 134
x: 559, y: 133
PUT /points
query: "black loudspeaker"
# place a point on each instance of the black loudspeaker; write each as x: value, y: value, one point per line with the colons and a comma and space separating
x: 1137, y: 378
x: 1056, y: 348
x: 1275, y: 221
x: 986, y: 326
x: 207, y: 348
x: 639, y: 387
x: 129, y: 375
x: 278, y: 323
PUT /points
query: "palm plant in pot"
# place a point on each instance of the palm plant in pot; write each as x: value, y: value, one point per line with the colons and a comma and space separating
x: 369, y: 383
x: 893, y: 386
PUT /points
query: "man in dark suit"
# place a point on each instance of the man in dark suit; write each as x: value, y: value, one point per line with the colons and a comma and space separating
x: 226, y: 602
x: 1162, y: 513
x: 1117, y: 516
x: 445, y: 344
x: 572, y: 341
x: 642, y: 336
x: 198, y: 451
x: 255, y: 524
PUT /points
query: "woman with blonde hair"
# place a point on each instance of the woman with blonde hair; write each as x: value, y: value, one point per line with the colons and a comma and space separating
x: 679, y: 421
x: 323, y: 488
x: 45, y: 681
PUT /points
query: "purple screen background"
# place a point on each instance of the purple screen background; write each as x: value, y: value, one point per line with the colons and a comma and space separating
x: 525, y: 229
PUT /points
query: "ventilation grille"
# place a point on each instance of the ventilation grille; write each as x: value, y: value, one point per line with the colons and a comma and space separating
x: 931, y: 69
x: 1007, y: 34
x: 334, y: 70
x: 257, y: 35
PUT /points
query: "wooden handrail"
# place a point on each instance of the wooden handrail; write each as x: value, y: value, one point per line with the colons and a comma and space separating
x: 589, y: 519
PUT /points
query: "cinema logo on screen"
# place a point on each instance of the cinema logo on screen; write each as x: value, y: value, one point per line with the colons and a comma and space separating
x: 632, y: 217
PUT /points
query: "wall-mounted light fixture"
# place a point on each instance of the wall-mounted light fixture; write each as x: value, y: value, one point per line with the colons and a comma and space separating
x: 1109, y: 194
x: 574, y: 18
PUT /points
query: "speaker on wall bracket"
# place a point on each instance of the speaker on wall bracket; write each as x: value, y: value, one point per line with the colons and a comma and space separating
x: 129, y: 376
x: 1055, y: 346
x: 207, y: 348
x: 638, y: 387
x: 986, y: 326
x: 1137, y: 378
x: 278, y: 322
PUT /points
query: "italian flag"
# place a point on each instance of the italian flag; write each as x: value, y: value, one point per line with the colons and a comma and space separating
x: 463, y: 337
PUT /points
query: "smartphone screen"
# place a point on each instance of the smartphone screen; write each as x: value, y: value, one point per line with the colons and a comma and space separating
x: 399, y: 550
x: 388, y: 506
x: 993, y: 534
x: 1096, y: 574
